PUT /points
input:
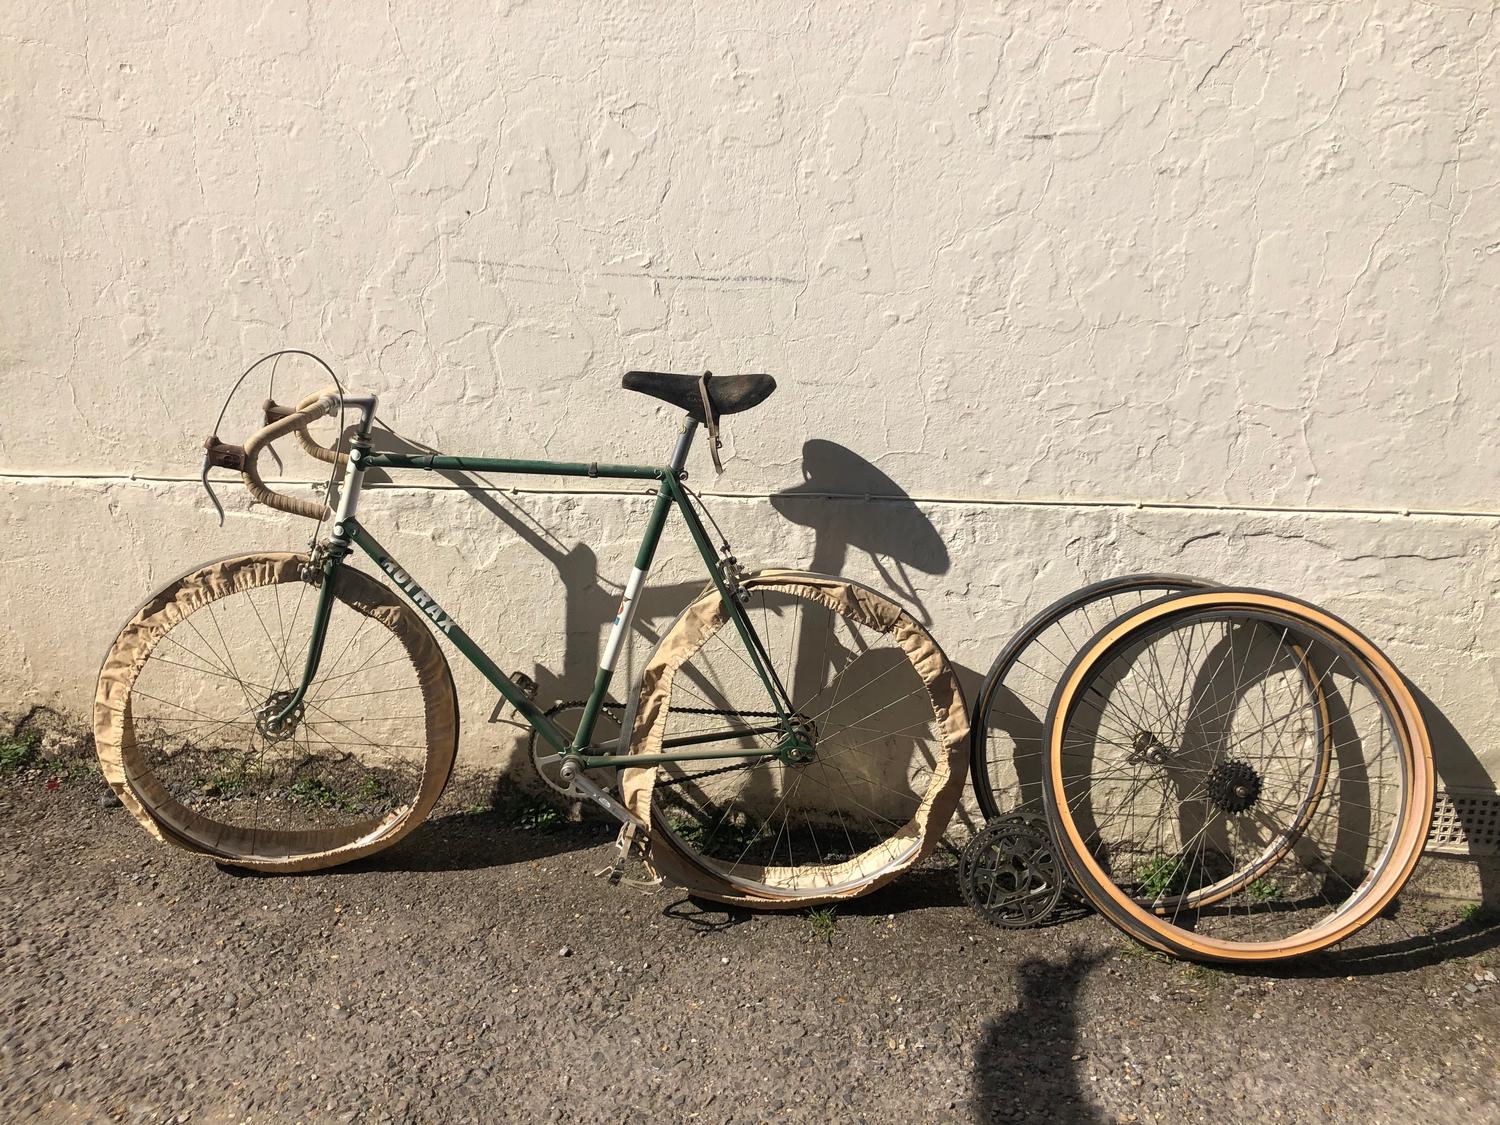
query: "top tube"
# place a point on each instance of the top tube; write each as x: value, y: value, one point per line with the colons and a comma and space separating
x: 443, y: 462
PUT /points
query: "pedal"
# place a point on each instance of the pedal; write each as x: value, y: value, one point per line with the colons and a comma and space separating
x: 525, y: 684
x: 629, y: 844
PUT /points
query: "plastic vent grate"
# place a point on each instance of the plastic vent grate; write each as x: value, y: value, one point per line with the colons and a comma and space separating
x: 1465, y: 823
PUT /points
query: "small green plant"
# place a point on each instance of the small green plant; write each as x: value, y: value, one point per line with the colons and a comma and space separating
x: 372, y: 791
x: 1162, y: 876
x: 316, y: 791
x: 225, y: 785
x: 1264, y: 890
x: 1203, y: 974
x: 1479, y: 913
x: 535, y: 814
x: 822, y: 923
x: 1135, y: 951
x: 722, y: 835
x: 19, y: 751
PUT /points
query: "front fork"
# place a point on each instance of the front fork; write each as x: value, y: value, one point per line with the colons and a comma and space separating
x: 278, y: 717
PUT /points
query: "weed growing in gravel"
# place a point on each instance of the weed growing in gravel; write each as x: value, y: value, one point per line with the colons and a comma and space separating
x: 1135, y: 951
x: 316, y: 791
x: 1162, y: 876
x: 822, y: 923
x: 1264, y: 890
x: 19, y: 751
x: 535, y: 814
x: 1477, y: 913
x: 720, y: 835
x: 1203, y: 974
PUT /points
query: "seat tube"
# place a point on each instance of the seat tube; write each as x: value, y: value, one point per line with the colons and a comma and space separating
x: 630, y: 599
x: 684, y: 443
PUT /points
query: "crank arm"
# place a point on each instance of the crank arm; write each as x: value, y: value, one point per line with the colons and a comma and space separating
x: 580, y: 785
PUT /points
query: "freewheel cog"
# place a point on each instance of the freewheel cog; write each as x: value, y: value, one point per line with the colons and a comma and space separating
x: 1233, y: 785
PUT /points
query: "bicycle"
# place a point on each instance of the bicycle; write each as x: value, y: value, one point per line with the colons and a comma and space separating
x: 796, y: 737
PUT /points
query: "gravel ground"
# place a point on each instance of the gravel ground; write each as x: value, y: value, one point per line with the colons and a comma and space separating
x: 479, y: 971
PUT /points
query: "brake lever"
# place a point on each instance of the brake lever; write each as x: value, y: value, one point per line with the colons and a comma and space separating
x: 208, y: 488
x: 219, y: 455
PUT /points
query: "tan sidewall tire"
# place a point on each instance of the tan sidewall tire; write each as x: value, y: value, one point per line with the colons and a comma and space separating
x: 166, y: 818
x: 693, y: 628
x: 1405, y: 849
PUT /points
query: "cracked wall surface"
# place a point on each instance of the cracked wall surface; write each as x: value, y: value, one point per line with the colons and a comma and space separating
x: 1102, y: 287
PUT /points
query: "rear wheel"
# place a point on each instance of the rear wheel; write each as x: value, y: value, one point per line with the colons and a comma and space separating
x: 181, y: 719
x: 1235, y: 775
x: 861, y: 792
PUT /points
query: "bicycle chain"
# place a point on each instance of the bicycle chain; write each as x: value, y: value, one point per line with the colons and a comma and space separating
x: 721, y: 711
x: 615, y: 710
x: 668, y: 783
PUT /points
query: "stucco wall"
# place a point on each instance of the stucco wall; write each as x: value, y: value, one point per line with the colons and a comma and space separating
x: 1101, y: 287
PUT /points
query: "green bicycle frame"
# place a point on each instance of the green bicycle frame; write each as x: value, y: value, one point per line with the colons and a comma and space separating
x: 348, y: 533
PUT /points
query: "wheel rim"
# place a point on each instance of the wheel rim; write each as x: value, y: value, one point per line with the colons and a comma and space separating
x: 1214, y: 879
x: 880, y: 767
x: 188, y: 690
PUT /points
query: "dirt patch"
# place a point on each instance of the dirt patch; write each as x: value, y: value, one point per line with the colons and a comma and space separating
x: 479, y: 971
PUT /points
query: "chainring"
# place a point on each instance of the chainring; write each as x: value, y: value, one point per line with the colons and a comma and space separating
x: 1010, y: 872
x: 544, y: 760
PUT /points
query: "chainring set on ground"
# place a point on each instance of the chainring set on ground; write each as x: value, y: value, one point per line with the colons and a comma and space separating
x: 1011, y: 872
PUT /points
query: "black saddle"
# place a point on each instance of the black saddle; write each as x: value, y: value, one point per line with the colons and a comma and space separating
x: 728, y: 394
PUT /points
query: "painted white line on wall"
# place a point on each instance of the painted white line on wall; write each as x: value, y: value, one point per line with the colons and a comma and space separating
x: 864, y: 497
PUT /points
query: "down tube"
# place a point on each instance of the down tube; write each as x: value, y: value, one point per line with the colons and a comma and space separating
x: 461, y: 640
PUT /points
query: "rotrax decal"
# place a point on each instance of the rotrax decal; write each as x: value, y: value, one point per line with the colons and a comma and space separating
x: 417, y: 594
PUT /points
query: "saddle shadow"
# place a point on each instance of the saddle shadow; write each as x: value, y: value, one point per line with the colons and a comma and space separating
x: 850, y: 504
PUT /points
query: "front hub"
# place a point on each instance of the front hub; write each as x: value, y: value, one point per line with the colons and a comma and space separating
x: 273, y: 726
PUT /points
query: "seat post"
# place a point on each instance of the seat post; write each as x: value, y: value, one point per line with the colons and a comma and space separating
x: 684, y: 443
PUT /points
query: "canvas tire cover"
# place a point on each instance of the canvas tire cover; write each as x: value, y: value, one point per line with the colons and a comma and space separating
x: 858, y: 603
x: 168, y: 819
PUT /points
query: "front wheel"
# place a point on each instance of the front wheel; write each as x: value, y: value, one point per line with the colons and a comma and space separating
x: 181, y: 716
x: 832, y: 801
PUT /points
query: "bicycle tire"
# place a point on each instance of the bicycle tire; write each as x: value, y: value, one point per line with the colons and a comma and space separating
x: 1331, y: 878
x: 1002, y: 741
x: 264, y: 811
x: 865, y: 827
